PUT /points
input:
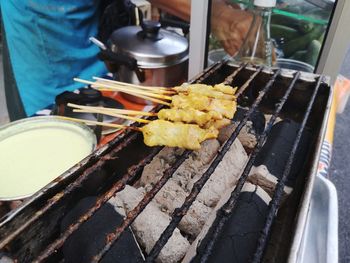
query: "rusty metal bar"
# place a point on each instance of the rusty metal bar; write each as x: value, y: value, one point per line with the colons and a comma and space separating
x: 225, y: 211
x: 229, y: 79
x: 276, y: 199
x: 207, y: 72
x: 118, y: 186
x: 70, y: 188
x: 247, y: 83
x: 198, y: 185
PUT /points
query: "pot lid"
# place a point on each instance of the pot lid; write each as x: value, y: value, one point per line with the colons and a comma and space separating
x: 150, y: 45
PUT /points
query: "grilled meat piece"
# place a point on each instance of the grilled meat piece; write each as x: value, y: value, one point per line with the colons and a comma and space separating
x: 189, y: 116
x: 218, y: 91
x: 218, y: 124
x: 200, y: 102
x: 188, y: 136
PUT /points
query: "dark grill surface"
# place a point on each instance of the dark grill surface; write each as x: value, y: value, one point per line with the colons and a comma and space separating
x: 109, y: 170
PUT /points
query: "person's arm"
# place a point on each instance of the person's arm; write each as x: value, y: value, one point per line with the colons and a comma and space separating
x: 179, y: 8
x: 228, y: 23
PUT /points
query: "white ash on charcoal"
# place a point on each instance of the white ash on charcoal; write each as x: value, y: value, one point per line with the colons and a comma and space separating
x: 172, y: 196
x: 162, y: 161
x: 225, y: 175
x: 262, y: 177
x: 174, y: 192
x: 259, y: 175
x: 193, y: 166
x: 269, y: 116
x: 150, y: 224
x: 247, y: 135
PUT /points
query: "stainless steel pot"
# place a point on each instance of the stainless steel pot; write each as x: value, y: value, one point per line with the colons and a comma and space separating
x: 147, y: 55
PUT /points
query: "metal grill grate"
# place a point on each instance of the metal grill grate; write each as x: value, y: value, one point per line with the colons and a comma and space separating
x: 179, y: 213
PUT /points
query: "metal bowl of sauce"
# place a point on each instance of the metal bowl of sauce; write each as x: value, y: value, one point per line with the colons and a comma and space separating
x: 35, y: 151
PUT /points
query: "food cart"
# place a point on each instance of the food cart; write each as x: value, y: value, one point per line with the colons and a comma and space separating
x: 300, y: 226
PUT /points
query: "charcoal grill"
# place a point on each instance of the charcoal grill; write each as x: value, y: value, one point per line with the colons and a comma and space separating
x: 31, y: 232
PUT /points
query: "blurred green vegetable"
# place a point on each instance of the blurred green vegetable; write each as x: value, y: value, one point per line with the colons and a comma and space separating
x: 285, y: 32
x: 286, y: 21
x: 299, y: 55
x: 305, y: 27
x: 302, y: 42
x: 313, y: 52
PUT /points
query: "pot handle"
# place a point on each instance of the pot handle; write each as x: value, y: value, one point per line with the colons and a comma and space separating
x: 150, y: 29
x: 122, y: 59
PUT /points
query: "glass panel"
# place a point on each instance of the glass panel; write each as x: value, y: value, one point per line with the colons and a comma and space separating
x: 298, y: 29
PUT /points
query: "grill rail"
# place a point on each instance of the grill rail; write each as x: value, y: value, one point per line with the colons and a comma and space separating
x: 276, y: 199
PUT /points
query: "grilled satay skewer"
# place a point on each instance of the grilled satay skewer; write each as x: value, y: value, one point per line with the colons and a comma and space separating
x: 225, y: 89
x: 191, y: 116
x: 183, y: 101
x: 124, y: 89
x: 165, y: 133
x: 201, y: 89
x: 188, y: 136
x: 219, y: 91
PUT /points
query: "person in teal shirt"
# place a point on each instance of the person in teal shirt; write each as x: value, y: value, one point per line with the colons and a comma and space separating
x: 46, y: 44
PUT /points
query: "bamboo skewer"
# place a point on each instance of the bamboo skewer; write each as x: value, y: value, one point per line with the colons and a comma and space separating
x: 137, y: 91
x: 126, y: 90
x: 136, y: 87
x: 113, y: 115
x: 125, y: 112
x: 118, y: 87
x: 111, y: 125
x: 155, y: 90
x: 90, y: 109
x: 119, y: 90
x: 131, y: 92
x: 132, y: 85
x: 154, y: 94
